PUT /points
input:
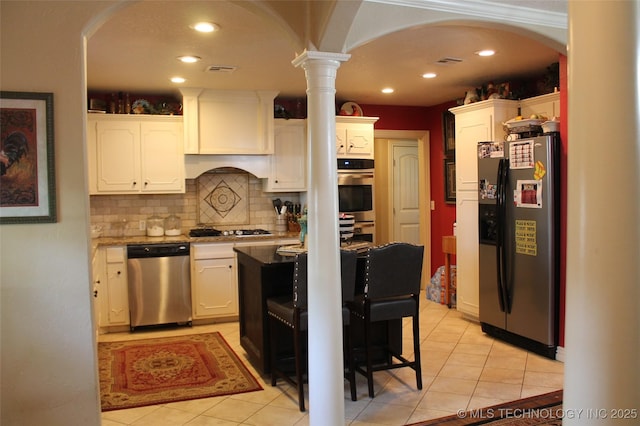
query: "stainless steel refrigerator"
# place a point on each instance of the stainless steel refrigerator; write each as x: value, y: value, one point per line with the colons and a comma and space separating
x: 519, y: 241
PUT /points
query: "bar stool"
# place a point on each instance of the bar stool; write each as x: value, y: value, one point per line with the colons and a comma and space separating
x: 291, y: 312
x: 392, y: 276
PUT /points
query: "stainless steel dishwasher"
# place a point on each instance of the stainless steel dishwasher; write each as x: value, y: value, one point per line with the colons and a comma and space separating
x: 159, y: 284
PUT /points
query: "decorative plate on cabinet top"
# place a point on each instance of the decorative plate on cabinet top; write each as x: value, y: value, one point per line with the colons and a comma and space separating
x: 141, y: 106
x: 352, y: 109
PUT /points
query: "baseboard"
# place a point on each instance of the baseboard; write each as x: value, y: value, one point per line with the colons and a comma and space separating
x: 560, y: 353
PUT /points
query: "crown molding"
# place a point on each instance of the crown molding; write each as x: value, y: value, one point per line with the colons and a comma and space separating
x: 511, y: 12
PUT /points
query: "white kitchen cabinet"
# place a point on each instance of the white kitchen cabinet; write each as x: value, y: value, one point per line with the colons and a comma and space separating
x: 228, y: 122
x: 97, y: 276
x: 354, y: 137
x: 476, y: 122
x: 288, y: 164
x: 547, y: 105
x: 214, y: 281
x: 131, y: 154
x: 114, y: 295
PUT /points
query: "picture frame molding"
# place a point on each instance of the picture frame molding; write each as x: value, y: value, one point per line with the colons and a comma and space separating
x: 449, y: 180
x: 449, y: 133
x: 46, y: 212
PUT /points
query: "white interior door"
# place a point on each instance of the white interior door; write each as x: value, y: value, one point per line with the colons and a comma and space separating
x: 405, y: 188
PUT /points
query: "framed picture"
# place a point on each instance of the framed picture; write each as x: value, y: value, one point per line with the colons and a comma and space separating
x: 449, y: 133
x: 27, y: 174
x: 449, y: 180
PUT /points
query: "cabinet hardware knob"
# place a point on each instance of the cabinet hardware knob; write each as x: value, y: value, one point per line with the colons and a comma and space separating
x: 118, y: 272
x: 230, y: 266
x: 135, y: 183
x: 95, y: 293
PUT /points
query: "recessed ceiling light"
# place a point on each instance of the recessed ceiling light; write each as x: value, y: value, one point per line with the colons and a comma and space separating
x: 429, y: 75
x: 387, y: 90
x: 178, y: 80
x: 189, y: 59
x: 486, y: 53
x: 205, y: 27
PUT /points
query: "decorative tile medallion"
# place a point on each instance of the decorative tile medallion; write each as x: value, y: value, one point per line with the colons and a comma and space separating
x: 223, y: 199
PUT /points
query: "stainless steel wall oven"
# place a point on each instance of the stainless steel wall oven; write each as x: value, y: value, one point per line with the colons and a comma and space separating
x: 356, y: 195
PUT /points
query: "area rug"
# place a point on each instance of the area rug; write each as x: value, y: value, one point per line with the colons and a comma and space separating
x: 540, y: 410
x: 158, y: 371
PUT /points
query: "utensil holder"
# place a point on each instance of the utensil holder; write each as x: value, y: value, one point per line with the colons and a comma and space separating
x: 281, y: 223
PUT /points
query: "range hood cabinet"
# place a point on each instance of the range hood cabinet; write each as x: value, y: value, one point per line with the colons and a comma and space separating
x: 228, y: 122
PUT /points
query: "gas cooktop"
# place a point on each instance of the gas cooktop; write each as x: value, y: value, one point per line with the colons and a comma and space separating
x: 212, y: 232
x: 247, y: 232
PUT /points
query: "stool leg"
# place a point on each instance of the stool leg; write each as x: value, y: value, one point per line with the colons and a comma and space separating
x: 297, y: 342
x: 416, y: 348
x: 351, y: 372
x: 274, y: 378
x: 367, y: 344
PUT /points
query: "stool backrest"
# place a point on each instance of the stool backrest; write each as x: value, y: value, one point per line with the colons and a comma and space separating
x: 348, y: 259
x: 393, y: 270
x: 300, y: 281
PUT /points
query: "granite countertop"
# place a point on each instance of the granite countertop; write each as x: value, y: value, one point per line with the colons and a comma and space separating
x: 269, y: 255
x: 266, y: 255
x: 143, y: 239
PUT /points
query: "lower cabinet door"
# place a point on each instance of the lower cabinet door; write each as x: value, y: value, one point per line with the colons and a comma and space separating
x: 117, y: 294
x: 214, y: 288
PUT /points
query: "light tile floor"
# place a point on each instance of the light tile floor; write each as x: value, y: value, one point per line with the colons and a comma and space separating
x: 462, y: 369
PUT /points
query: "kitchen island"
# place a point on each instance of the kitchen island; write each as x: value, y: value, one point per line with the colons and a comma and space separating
x: 263, y: 273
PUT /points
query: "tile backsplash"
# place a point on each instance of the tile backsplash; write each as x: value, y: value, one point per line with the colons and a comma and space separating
x: 111, y: 210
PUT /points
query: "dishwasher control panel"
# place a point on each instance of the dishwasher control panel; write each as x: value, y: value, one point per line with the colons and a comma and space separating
x: 137, y: 251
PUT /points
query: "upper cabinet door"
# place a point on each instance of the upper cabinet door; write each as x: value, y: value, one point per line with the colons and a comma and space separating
x: 546, y: 105
x: 228, y: 122
x: 117, y: 148
x: 161, y: 144
x: 130, y: 154
x: 354, y: 137
x: 288, y: 171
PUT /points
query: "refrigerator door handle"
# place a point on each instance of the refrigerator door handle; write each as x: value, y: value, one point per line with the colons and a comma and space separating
x: 499, y: 233
x: 506, y: 298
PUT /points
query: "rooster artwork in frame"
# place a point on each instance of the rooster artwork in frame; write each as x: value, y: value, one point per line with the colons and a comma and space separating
x: 27, y: 177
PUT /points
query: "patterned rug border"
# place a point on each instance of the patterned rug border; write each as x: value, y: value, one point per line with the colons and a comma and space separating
x: 106, y: 359
x: 486, y: 416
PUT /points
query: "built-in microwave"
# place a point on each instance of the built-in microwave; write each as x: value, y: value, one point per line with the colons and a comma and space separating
x: 355, y: 188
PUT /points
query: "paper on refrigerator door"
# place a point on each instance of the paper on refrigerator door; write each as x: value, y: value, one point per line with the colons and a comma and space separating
x: 491, y: 149
x: 526, y: 237
x: 521, y: 155
x: 528, y: 194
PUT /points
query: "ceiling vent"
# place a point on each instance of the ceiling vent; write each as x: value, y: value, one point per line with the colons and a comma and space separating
x: 448, y: 60
x: 221, y: 68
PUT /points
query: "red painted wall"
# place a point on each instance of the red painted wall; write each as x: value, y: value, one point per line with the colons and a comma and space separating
x: 424, y: 118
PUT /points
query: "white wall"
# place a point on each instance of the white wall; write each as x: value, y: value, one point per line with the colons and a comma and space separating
x: 49, y: 372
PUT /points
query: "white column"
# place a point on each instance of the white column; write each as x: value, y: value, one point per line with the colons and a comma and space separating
x: 602, y: 370
x: 326, y: 380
